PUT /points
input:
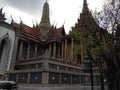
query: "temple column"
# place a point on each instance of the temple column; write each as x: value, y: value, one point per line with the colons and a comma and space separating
x: 54, y: 52
x: 28, y: 80
x: 65, y: 49
x: 70, y: 79
x: 20, y: 50
x: 28, y: 50
x: 15, y: 52
x: 17, y: 77
x: 72, y: 51
x: 45, y: 73
x: 58, y: 51
x: 62, y: 55
x: 36, y: 48
x: 49, y: 50
x: 45, y: 77
x: 60, y: 79
x: 82, y: 53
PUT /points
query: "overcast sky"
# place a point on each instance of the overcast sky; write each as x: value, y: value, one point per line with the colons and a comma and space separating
x: 61, y: 11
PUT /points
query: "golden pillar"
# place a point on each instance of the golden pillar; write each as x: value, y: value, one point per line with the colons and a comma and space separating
x: 72, y: 51
x: 36, y: 49
x: 49, y: 50
x: 28, y: 50
x: 28, y: 80
x: 65, y: 49
x: 20, y: 50
x: 54, y: 52
x: 82, y: 52
x: 62, y: 50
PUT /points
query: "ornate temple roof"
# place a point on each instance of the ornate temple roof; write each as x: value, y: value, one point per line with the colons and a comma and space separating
x: 42, y: 31
x: 86, y: 22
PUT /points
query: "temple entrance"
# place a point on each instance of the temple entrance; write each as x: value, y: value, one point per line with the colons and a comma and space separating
x: 4, y: 48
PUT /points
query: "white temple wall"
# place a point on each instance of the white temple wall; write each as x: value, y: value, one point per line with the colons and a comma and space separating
x: 5, y: 60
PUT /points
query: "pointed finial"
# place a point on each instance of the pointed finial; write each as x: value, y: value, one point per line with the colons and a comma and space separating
x: 85, y: 6
x: 36, y: 21
x: 53, y: 22
x: 21, y: 22
x: 64, y: 23
x: 20, y: 19
x: 56, y: 24
x: 11, y: 16
x: 1, y: 10
x: 12, y: 21
x: 33, y: 21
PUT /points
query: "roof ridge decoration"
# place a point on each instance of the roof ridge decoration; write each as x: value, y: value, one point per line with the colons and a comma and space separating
x: 2, y: 15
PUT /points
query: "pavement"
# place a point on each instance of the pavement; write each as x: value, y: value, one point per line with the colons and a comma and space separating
x: 81, y: 87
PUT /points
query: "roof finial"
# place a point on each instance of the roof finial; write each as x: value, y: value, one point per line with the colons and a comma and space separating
x: 1, y: 10
x: 53, y: 22
x: 56, y: 25
x: 36, y: 22
x: 64, y: 23
x: 33, y: 23
x: 85, y: 6
x: 20, y: 19
x: 21, y: 22
x: 12, y: 21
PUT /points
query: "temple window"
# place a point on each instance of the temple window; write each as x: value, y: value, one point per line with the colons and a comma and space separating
x: 53, y: 66
x: 62, y: 68
x: 70, y: 69
x: 1, y: 48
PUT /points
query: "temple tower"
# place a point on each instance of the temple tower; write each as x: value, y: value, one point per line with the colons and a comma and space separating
x: 45, y: 21
x: 87, y: 27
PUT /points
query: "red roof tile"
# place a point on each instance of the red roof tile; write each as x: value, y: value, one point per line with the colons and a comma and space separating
x: 30, y: 30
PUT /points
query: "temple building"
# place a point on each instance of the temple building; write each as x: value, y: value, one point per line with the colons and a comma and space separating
x: 7, y: 37
x: 90, y: 33
x: 42, y: 54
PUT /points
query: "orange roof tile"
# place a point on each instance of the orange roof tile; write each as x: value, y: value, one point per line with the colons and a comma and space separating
x: 30, y: 30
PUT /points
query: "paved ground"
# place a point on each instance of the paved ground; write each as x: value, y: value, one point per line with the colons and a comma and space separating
x: 57, y: 88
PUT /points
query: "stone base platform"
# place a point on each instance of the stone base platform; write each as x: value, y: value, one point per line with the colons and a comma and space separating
x: 81, y: 87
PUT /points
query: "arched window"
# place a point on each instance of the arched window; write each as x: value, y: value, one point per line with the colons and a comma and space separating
x: 5, y: 52
x: 2, y: 47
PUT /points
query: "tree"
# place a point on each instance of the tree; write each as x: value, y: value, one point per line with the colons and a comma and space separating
x: 109, y: 19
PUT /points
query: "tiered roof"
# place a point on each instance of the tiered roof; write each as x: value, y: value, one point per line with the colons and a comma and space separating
x: 86, y: 22
x: 42, y: 32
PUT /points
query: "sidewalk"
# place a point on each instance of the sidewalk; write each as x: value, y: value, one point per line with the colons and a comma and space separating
x: 58, y: 88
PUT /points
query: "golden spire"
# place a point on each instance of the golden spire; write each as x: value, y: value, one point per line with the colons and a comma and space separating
x: 45, y: 21
x: 85, y: 7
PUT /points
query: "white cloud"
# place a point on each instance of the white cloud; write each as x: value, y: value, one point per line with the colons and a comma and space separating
x: 61, y: 11
x: 16, y: 15
x: 69, y: 11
